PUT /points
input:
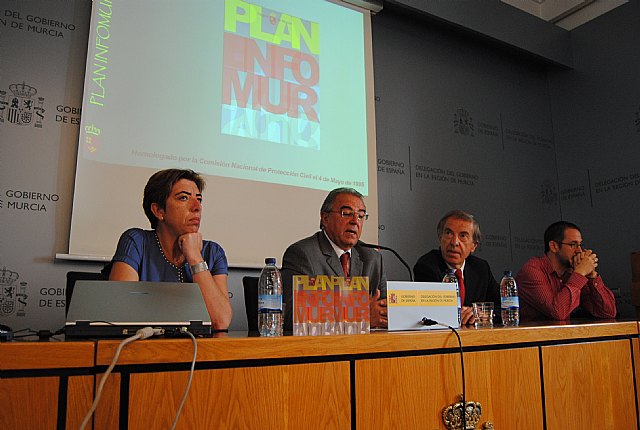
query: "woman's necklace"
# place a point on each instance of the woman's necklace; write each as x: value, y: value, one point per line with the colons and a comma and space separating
x: 180, y: 270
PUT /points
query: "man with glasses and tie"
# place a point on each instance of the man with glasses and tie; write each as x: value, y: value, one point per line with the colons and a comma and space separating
x: 555, y: 284
x: 459, y: 236
x: 334, y: 251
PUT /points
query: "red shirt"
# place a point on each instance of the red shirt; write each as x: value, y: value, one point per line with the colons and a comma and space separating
x: 545, y: 295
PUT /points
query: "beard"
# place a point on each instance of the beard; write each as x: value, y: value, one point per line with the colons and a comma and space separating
x: 567, y: 263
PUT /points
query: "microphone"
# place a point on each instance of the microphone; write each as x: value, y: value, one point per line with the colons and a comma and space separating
x: 386, y: 248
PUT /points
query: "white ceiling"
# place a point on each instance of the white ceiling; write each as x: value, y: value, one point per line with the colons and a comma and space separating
x: 567, y: 14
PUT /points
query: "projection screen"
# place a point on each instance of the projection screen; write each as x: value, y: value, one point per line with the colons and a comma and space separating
x: 271, y: 100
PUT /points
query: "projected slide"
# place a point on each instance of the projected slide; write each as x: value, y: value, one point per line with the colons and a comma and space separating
x: 271, y: 91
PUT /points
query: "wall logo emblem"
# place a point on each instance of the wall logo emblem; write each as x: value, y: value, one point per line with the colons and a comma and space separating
x: 548, y: 193
x: 463, y: 122
x: 22, y: 107
x: 12, y: 297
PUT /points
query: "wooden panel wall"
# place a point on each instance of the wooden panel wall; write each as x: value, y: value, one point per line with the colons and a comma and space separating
x: 589, y: 385
x: 29, y: 403
x: 79, y: 399
x: 310, y: 396
x: 411, y: 392
x: 525, y: 378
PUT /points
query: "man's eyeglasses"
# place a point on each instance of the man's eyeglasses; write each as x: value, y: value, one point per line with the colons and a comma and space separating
x: 349, y: 213
x: 573, y: 245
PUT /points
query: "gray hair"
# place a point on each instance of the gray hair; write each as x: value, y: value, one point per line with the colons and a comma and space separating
x: 331, y: 198
x: 464, y: 216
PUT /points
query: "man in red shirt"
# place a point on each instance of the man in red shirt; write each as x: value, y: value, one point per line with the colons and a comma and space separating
x: 564, y: 278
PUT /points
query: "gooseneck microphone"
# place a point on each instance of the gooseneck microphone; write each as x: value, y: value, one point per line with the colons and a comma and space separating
x: 386, y: 248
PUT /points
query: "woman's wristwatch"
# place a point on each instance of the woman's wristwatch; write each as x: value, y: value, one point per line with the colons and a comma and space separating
x: 199, y: 267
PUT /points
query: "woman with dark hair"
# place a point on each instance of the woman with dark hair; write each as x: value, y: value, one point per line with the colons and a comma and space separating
x: 173, y: 251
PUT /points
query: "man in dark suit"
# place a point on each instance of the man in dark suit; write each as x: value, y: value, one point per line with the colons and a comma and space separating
x: 459, y: 235
x: 342, y: 216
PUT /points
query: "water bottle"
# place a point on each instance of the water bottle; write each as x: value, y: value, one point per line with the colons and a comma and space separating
x: 510, y: 305
x: 270, y: 300
x: 450, y: 278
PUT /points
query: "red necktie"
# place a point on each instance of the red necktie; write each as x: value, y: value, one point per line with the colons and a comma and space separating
x: 344, y: 259
x: 460, y: 285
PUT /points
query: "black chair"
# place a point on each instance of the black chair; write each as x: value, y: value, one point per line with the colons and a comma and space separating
x: 250, y: 284
x: 72, y: 277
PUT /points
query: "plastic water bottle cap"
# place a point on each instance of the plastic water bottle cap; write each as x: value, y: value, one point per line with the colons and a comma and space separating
x: 270, y: 260
x: 507, y: 273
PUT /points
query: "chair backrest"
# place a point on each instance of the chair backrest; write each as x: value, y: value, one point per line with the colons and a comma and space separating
x: 250, y: 284
x: 72, y: 277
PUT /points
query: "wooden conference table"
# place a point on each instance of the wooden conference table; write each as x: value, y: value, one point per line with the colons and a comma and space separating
x: 560, y: 376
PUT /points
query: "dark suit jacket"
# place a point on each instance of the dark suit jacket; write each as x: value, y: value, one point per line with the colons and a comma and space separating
x: 314, y: 256
x: 479, y: 283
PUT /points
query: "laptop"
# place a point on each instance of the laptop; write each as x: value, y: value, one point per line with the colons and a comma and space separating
x: 409, y: 302
x: 108, y: 309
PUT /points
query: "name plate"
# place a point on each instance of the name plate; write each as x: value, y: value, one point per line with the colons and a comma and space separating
x: 409, y: 302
